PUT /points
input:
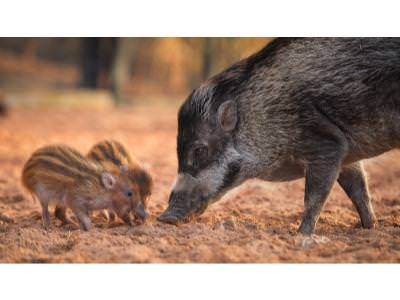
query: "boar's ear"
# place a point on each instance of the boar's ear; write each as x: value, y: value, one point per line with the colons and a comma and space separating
x: 227, y: 115
x: 108, y: 180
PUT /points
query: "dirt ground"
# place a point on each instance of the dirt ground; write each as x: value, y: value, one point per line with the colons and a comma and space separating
x: 256, y: 222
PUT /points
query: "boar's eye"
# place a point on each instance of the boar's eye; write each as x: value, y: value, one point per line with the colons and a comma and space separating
x: 200, y: 154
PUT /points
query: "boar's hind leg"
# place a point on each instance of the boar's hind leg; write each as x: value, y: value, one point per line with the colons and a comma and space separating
x: 353, y: 181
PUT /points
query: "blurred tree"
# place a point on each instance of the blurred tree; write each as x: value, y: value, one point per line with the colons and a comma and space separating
x: 97, y: 60
x: 31, y: 47
x: 3, y: 106
x: 3, y: 109
x: 126, y: 48
x: 218, y: 53
x: 132, y: 68
x: 209, y: 47
x: 90, y: 63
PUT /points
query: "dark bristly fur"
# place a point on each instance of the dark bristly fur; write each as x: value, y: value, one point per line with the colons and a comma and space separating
x: 60, y: 174
x: 312, y: 107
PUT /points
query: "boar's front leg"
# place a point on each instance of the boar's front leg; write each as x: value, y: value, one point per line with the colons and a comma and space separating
x: 353, y: 181
x: 324, y: 151
x: 319, y: 181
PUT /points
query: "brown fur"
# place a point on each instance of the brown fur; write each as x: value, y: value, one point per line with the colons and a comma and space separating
x: 114, y: 156
x: 60, y: 174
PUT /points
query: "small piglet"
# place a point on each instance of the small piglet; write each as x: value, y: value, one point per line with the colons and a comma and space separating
x: 113, y: 154
x: 62, y: 175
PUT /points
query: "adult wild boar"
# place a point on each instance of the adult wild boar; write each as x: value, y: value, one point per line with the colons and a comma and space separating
x: 312, y: 107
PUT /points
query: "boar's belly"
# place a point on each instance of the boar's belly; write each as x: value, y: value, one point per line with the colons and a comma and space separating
x: 283, y: 171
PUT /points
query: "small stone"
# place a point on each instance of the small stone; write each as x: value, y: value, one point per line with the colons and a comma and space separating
x: 230, y: 224
x: 314, y: 240
x: 307, y: 242
x: 17, y: 198
x: 6, y: 219
x: 218, y: 226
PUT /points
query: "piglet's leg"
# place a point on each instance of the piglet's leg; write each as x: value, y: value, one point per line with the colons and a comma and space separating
x: 111, y: 216
x: 108, y: 215
x: 44, y: 198
x: 124, y: 216
x: 81, y: 214
x: 127, y: 220
x: 60, y: 213
x: 45, y: 215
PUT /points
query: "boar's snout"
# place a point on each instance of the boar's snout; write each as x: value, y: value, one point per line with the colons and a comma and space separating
x: 168, y: 217
x: 177, y: 209
x: 181, y: 208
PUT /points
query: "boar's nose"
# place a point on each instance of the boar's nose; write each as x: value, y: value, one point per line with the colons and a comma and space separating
x: 140, y: 212
x: 178, y: 209
x: 168, y: 217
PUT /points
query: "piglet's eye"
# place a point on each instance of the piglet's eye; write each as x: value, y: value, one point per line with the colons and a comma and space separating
x: 129, y: 193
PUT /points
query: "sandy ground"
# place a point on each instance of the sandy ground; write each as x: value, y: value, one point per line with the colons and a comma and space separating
x: 257, y: 222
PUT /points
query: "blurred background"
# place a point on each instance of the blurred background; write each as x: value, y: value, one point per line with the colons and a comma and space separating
x: 104, y: 72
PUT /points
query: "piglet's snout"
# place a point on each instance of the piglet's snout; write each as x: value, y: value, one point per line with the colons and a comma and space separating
x: 141, y: 212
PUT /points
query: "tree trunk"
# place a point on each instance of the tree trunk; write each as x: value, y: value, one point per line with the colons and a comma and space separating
x: 31, y: 47
x: 90, y: 64
x: 208, y: 48
x: 3, y: 106
x: 121, y: 69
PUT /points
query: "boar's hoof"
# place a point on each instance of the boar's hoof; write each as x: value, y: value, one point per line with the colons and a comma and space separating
x: 306, y: 229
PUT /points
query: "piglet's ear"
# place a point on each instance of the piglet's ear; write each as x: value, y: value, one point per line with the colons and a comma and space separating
x: 108, y: 180
x: 227, y: 115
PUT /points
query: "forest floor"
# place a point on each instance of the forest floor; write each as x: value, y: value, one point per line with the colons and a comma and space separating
x: 256, y: 222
